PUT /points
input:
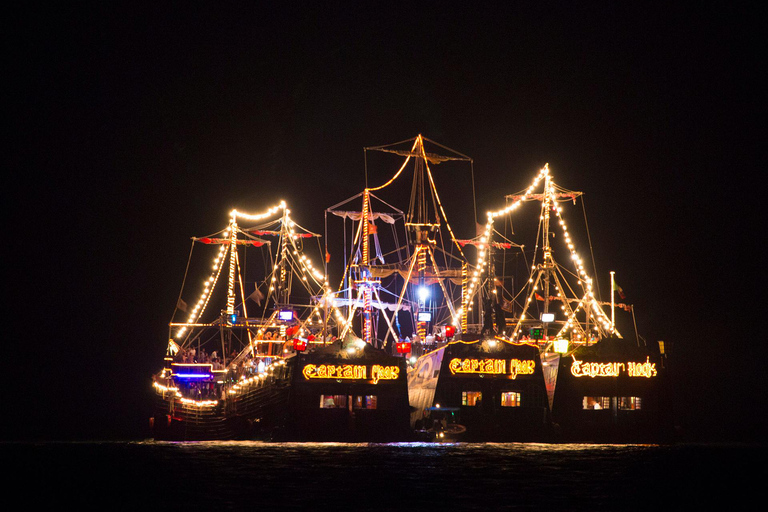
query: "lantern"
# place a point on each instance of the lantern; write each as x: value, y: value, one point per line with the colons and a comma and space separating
x: 403, y: 347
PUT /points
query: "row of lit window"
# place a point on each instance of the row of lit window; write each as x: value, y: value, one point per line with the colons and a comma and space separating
x: 475, y: 398
x: 343, y: 401
x: 624, y: 403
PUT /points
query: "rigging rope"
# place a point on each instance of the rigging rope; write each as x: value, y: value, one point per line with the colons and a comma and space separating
x: 591, y: 251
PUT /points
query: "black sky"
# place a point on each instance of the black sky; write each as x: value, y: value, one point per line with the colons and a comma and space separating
x: 132, y: 128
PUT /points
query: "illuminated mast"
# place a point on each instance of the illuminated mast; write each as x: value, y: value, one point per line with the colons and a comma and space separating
x: 420, y: 229
x: 365, y: 282
x: 422, y: 222
x: 548, y: 264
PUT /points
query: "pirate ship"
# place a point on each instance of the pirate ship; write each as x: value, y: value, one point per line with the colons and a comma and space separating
x: 266, y: 365
x: 406, y: 281
x: 600, y: 386
x: 416, y: 339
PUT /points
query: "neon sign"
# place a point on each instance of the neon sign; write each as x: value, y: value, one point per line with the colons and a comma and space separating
x: 350, y: 372
x: 492, y: 366
x: 384, y: 373
x: 592, y: 369
x: 331, y: 371
x: 646, y: 369
x: 192, y: 370
x: 524, y: 367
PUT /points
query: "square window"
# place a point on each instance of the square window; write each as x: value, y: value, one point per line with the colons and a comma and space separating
x: 596, y: 402
x: 471, y: 398
x: 333, y: 401
x: 630, y: 403
x: 365, y: 402
x: 510, y: 399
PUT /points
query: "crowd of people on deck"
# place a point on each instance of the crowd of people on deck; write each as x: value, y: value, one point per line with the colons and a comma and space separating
x: 192, y: 356
x: 255, y: 362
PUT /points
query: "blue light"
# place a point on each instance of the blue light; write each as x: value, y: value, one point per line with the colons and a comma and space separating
x: 192, y: 375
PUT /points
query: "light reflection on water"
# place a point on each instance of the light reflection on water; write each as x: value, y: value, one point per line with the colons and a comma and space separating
x: 237, y: 475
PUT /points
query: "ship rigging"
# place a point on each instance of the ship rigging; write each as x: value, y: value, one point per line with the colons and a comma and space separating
x: 422, y: 251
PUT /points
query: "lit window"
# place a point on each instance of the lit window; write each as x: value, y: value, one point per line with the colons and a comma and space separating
x: 471, y: 398
x: 596, y: 402
x: 365, y: 402
x: 333, y: 401
x: 510, y: 399
x: 630, y: 403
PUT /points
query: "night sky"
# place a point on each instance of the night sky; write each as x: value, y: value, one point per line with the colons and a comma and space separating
x: 131, y: 129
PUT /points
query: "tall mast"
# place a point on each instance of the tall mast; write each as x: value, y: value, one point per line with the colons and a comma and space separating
x: 548, y: 262
x: 420, y: 226
x: 232, y: 262
x: 230, y: 285
x: 283, y: 287
x: 422, y: 220
x: 365, y: 280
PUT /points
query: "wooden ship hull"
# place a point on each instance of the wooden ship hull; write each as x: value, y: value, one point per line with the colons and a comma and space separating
x: 251, y: 407
x: 333, y: 393
x: 347, y: 394
x: 614, y: 392
x: 481, y: 390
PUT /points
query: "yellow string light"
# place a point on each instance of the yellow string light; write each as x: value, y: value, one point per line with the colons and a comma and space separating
x: 584, y: 279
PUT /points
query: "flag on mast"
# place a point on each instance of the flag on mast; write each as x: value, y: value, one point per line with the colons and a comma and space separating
x: 618, y: 289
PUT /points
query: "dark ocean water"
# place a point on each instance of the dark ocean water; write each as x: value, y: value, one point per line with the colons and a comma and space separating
x: 426, y: 477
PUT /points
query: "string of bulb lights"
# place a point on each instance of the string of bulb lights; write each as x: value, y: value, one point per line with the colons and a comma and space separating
x: 585, y: 281
x: 306, y: 267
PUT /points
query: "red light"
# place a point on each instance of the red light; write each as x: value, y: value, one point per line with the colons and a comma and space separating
x: 449, y: 331
x: 299, y: 345
x: 403, y: 347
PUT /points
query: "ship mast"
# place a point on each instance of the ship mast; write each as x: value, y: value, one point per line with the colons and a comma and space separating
x: 422, y: 226
x: 365, y: 282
